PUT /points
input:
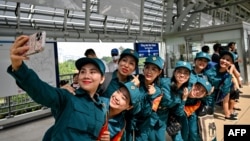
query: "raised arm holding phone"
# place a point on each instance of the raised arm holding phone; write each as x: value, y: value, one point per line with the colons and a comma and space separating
x: 77, y: 117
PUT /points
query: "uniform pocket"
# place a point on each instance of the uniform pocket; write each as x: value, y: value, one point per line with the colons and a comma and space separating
x: 79, y: 117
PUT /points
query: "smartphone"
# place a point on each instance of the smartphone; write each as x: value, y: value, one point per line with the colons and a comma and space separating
x: 36, y: 43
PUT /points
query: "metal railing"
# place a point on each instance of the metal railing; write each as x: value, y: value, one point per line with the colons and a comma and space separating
x: 11, y: 106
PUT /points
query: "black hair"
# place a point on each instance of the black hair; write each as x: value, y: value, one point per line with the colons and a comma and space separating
x: 173, y: 85
x: 130, y: 101
x: 205, y: 49
x: 160, y: 75
x: 89, y: 52
x: 223, y: 48
x: 123, y: 55
x: 217, y: 47
x: 230, y: 44
x: 63, y: 82
x: 75, y: 74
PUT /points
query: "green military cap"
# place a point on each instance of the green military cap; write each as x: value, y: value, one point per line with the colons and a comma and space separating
x: 204, y: 83
x: 130, y: 52
x: 232, y: 55
x: 203, y: 55
x: 133, y: 91
x: 183, y: 64
x: 97, y: 62
x: 156, y: 60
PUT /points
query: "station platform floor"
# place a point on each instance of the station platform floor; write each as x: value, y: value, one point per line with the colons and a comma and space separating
x: 34, y: 130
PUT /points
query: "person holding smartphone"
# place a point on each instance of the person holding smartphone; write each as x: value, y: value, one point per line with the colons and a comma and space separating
x: 77, y: 117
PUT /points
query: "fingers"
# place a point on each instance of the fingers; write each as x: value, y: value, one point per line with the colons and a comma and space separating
x: 136, y: 76
x: 186, y: 90
x: 151, y: 89
x: 69, y: 88
x: 20, y: 41
x: 19, y: 47
x: 105, y: 136
x: 20, y: 51
x: 185, y: 94
x: 136, y: 80
x: 16, y: 57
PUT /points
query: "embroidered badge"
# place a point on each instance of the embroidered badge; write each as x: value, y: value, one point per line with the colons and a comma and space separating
x: 132, y: 87
x: 207, y: 83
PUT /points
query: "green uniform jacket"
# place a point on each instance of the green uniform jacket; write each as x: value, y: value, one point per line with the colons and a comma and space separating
x: 114, y: 85
x: 77, y: 118
x: 215, y: 77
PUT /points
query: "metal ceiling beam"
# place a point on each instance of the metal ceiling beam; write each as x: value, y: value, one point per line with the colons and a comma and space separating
x: 141, y: 18
x: 66, y: 13
x: 105, y: 24
x: 193, y: 16
x: 169, y: 14
x: 87, y: 16
x: 17, y: 12
x: 77, y: 35
x: 182, y: 16
x: 226, y: 5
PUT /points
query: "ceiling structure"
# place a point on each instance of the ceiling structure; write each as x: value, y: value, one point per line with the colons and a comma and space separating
x: 157, y: 17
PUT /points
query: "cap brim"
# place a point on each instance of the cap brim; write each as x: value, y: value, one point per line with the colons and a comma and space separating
x: 125, y: 54
x: 153, y: 64
x: 183, y: 67
x: 123, y: 85
x: 203, y: 85
x: 82, y: 61
x: 227, y: 53
x: 208, y: 59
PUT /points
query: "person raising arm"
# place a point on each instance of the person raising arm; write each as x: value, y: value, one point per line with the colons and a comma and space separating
x: 77, y: 117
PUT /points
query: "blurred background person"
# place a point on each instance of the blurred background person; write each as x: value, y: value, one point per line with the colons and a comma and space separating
x: 113, y: 65
x: 232, y: 48
x: 75, y: 83
x: 216, y: 55
x: 205, y: 49
x: 90, y: 53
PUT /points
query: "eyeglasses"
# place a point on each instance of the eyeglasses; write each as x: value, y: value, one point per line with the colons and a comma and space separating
x: 179, y: 72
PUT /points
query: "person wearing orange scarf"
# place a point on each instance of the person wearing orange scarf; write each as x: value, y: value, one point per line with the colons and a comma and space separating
x: 119, y: 103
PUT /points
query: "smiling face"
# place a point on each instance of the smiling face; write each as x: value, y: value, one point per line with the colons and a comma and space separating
x: 225, y: 61
x: 150, y: 72
x: 126, y: 65
x: 89, y: 78
x: 120, y: 100
x: 181, y: 75
x: 198, y: 91
x: 201, y: 63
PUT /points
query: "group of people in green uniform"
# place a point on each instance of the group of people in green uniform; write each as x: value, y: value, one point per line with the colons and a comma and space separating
x: 129, y: 107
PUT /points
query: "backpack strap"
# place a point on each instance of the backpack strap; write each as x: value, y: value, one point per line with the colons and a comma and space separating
x: 118, y: 136
x: 105, y: 84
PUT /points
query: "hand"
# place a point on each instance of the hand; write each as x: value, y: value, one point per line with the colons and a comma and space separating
x: 69, y: 88
x: 151, y: 89
x: 136, y: 80
x: 231, y: 68
x: 105, y: 136
x: 18, y: 50
x: 185, y: 94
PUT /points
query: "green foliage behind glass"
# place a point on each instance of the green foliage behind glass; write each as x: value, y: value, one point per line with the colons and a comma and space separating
x: 67, y: 67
